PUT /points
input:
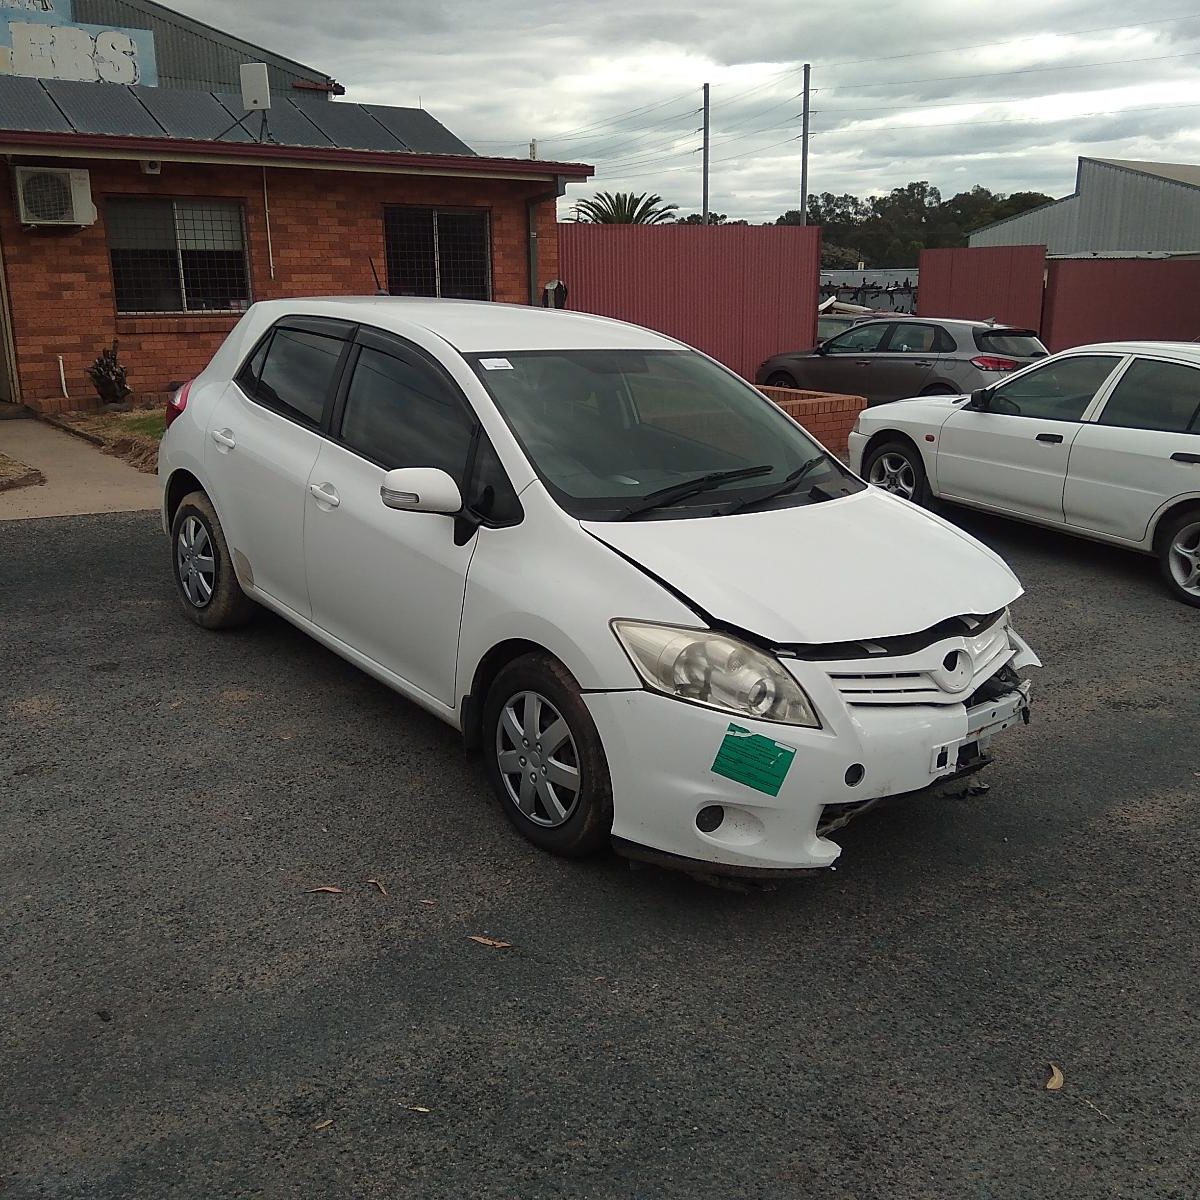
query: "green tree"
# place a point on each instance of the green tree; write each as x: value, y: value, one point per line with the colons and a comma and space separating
x: 625, y: 208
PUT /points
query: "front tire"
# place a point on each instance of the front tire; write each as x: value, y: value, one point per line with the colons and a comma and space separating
x: 897, y: 467
x: 780, y: 379
x: 205, y: 583
x: 544, y: 758
x: 1179, y: 556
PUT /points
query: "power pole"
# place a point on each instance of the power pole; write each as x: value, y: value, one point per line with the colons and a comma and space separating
x: 533, y: 147
x: 704, y: 201
x: 804, y: 150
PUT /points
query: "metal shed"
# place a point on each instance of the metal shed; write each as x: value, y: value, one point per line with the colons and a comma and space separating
x: 1118, y: 205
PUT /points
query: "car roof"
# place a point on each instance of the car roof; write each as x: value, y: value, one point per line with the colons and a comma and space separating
x: 474, y: 326
x: 956, y: 322
x: 1185, y: 350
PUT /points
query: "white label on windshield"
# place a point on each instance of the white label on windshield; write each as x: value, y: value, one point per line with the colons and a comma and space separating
x: 495, y: 364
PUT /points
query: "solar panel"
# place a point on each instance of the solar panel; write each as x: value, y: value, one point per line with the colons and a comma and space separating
x: 102, y: 108
x: 196, y: 116
x: 349, y: 126
x: 288, y: 125
x: 418, y: 130
x: 25, y: 105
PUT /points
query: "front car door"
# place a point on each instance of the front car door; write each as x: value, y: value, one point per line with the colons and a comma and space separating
x: 388, y: 583
x: 263, y: 439
x: 907, y: 359
x: 845, y: 362
x: 1013, y: 456
x: 1141, y: 450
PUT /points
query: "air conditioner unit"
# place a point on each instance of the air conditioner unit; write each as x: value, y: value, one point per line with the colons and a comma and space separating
x: 54, y: 196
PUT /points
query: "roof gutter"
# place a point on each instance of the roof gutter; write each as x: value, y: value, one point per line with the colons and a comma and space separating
x: 531, y: 207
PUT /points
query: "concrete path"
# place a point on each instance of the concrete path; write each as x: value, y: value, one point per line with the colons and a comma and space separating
x: 79, y: 479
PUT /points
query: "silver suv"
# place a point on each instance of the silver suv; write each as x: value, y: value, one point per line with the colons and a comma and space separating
x: 900, y: 357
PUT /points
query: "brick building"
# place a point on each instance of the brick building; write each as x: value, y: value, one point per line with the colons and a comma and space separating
x: 136, y: 212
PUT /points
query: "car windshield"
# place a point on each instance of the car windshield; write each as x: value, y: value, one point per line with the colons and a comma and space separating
x: 608, y: 429
x: 1015, y: 343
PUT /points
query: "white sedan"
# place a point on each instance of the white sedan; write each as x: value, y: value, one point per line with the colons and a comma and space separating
x: 625, y: 575
x: 1100, y: 441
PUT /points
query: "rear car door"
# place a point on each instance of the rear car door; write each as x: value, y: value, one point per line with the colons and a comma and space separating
x: 264, y: 434
x: 1013, y: 456
x: 1142, y: 450
x: 388, y: 583
x: 845, y: 364
x: 907, y: 359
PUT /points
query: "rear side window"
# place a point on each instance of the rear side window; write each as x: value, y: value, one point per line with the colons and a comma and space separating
x: 862, y: 339
x: 1010, y: 343
x: 915, y: 338
x: 1156, y: 395
x: 297, y: 374
x: 400, y: 414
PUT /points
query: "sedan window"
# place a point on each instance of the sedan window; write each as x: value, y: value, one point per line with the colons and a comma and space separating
x: 1059, y: 391
x: 296, y: 377
x: 862, y: 339
x: 911, y: 338
x: 1156, y: 395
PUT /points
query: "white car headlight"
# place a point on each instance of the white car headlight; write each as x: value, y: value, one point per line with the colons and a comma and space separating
x: 715, y: 670
x: 857, y: 426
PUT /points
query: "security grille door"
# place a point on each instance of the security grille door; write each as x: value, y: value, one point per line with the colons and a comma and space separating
x: 438, y: 252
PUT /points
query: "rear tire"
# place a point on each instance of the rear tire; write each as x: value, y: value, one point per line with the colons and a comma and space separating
x: 545, y: 760
x: 780, y: 379
x: 897, y: 467
x: 202, y: 567
x: 1178, y: 543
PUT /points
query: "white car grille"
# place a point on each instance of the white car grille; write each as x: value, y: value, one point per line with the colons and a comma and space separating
x: 946, y: 672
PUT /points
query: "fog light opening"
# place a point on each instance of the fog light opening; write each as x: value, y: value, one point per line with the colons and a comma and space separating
x: 709, y: 818
x: 855, y: 774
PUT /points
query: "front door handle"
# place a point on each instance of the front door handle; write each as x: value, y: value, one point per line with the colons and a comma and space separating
x: 224, y: 437
x: 862, y: 362
x: 924, y: 362
x: 325, y: 493
x: 1187, y: 458
x: 1050, y: 437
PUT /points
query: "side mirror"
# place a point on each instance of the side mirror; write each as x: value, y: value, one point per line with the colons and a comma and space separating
x: 420, y: 489
x: 981, y: 400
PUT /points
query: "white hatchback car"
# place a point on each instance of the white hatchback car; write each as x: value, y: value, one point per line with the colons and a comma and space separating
x: 1100, y: 441
x: 646, y: 593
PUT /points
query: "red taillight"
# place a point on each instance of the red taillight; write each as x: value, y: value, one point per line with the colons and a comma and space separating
x: 178, y: 403
x: 990, y: 362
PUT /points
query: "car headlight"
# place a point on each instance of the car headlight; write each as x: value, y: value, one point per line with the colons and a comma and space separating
x: 715, y: 670
x: 857, y: 426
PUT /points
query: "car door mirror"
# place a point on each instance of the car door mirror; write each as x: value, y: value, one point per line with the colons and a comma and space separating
x: 421, y: 489
x: 981, y: 400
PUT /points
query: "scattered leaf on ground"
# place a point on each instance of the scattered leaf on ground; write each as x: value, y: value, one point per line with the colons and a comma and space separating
x: 1055, y: 1082
x: 429, y: 902
x: 494, y: 943
x: 176, y: 703
x: 325, y: 1124
x: 382, y: 890
x: 416, y: 1108
x: 333, y: 891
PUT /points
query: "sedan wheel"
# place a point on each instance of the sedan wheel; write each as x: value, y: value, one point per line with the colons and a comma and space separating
x: 896, y: 467
x: 1180, y: 557
x: 194, y: 562
x: 205, y: 581
x: 538, y: 760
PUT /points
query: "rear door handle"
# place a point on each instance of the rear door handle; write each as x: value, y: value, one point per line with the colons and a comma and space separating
x: 325, y: 493
x: 1049, y: 437
x: 224, y: 437
x: 862, y: 362
x: 1187, y: 458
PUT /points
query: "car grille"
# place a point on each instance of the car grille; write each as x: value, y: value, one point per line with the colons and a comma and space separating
x: 946, y: 672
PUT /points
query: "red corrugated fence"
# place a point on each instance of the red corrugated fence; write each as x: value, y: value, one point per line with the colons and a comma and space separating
x: 738, y: 292
x: 1004, y: 282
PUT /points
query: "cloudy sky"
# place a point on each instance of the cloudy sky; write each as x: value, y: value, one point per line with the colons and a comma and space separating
x: 951, y: 91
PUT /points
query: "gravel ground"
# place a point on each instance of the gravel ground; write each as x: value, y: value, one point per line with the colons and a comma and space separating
x: 182, y: 1016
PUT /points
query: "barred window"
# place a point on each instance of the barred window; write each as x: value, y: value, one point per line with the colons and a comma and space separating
x: 178, y: 255
x: 438, y: 252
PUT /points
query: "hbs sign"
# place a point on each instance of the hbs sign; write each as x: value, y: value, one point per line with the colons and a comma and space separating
x: 39, y: 38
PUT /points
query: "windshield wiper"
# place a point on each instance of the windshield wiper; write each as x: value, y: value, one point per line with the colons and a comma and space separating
x: 789, y: 484
x: 689, y: 488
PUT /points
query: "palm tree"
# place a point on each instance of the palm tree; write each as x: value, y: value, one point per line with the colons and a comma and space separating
x: 625, y: 208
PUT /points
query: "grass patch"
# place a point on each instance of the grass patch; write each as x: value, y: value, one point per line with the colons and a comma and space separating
x: 133, y: 436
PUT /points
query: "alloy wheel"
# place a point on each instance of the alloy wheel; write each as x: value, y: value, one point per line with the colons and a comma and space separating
x: 195, y: 563
x: 1185, y: 558
x: 895, y: 474
x: 538, y: 759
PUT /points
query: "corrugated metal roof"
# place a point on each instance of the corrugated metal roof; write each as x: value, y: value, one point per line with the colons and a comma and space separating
x: 55, y: 105
x: 194, y: 55
x: 1176, y: 172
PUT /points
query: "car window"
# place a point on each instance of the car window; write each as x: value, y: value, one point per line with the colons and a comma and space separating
x: 1012, y: 343
x: 247, y: 377
x: 297, y: 374
x: 828, y: 327
x: 862, y: 339
x: 398, y: 413
x: 1155, y: 395
x: 909, y: 337
x: 1059, y: 391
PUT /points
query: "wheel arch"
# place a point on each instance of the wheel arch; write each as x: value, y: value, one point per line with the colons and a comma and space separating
x: 181, y: 482
x: 486, y: 670
x: 1171, y: 510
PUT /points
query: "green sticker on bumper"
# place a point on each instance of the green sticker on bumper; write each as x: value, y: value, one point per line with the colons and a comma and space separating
x: 759, y: 762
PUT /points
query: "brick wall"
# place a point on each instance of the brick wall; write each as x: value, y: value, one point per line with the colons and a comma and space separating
x: 828, y: 417
x: 325, y: 226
